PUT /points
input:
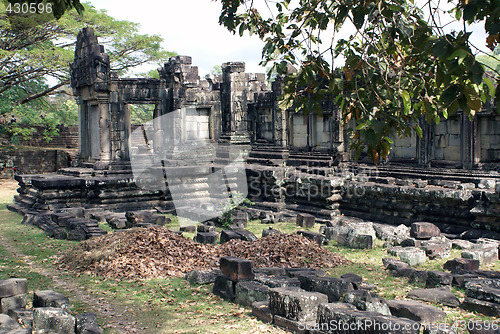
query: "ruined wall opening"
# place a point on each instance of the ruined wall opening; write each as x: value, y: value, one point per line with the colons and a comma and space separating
x: 140, y: 119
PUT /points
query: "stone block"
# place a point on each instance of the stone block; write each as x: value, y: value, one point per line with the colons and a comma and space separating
x: 298, y: 327
x: 334, y: 288
x: 227, y: 235
x: 202, y: 276
x: 295, y: 304
x: 208, y: 238
x: 262, y: 312
x: 237, y: 269
x: 316, y: 237
x: 12, y: 303
x: 53, y: 320
x: 439, y: 329
x: 437, y: 250
x: 8, y: 325
x: 278, y: 281
x: 485, y: 254
x: 22, y: 316
x: 438, y: 278
x: 484, y: 289
x: 413, y: 256
x: 86, y: 323
x: 418, y: 277
x: 366, y: 301
x: 344, y: 318
x: 441, y: 295
x: 356, y: 280
x: 270, y: 271
x: 269, y: 231
x: 416, y: 311
x: 13, y: 287
x: 224, y: 287
x: 305, y: 220
x: 188, y: 228
x: 205, y: 228
x: 461, y: 244
x: 360, y: 241
x: 49, y: 298
x: 248, y: 292
x: 482, y: 306
x: 424, y: 230
x: 461, y: 265
x: 243, y: 234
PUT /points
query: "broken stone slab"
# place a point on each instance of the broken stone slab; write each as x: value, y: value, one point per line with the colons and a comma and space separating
x: 316, y: 237
x: 53, y: 320
x: 49, y: 298
x: 437, y: 250
x: 366, y: 301
x: 305, y: 220
x: 298, y: 327
x: 243, y: 234
x: 262, y: 312
x: 334, y: 288
x: 461, y: 244
x: 278, y: 281
x: 482, y: 306
x: 479, y: 327
x: 22, y: 316
x: 86, y: 323
x: 207, y: 238
x: 116, y: 223
x: 269, y: 231
x: 356, y: 280
x: 295, y: 303
x: 7, y: 324
x: 360, y: 241
x: 483, y: 289
x: 248, y: 292
x: 437, y: 278
x: 224, y: 287
x: 485, y: 254
x: 458, y: 265
x: 13, y: 287
x: 296, y: 272
x: 237, y: 269
x: 360, y: 228
x: 418, y: 277
x: 417, y: 311
x: 395, y: 251
x: 439, y: 329
x: 188, y: 228
x: 12, y: 303
x: 391, y: 263
x: 202, y: 276
x: 345, y: 318
x: 413, y: 256
x: 227, y: 235
x: 205, y: 228
x: 441, y: 295
x: 270, y: 271
x: 424, y: 230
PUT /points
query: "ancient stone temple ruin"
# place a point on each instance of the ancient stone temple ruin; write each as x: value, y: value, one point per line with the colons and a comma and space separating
x: 293, y: 163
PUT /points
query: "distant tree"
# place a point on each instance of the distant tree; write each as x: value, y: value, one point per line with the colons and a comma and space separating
x: 400, y: 62
x: 36, y: 49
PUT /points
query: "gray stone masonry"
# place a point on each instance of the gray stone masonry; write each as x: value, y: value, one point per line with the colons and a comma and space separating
x: 295, y: 303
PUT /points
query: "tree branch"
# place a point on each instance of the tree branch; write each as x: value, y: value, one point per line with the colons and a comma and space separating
x: 42, y: 93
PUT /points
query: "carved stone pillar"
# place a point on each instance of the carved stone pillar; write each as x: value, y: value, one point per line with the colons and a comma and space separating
x: 234, y: 103
x: 470, y: 142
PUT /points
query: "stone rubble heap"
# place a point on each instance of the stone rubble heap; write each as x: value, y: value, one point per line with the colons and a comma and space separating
x: 304, y: 300
x: 50, y: 313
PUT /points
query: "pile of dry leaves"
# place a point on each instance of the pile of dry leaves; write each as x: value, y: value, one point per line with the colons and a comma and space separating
x: 158, y: 252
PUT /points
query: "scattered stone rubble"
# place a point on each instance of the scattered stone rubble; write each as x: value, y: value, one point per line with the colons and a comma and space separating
x: 50, y: 313
x: 304, y: 300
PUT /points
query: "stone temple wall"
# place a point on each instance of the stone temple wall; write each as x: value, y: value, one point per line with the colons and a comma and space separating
x: 294, y: 162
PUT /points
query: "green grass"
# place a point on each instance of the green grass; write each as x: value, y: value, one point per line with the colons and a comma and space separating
x: 172, y: 305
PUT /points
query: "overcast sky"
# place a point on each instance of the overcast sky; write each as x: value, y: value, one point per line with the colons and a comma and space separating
x: 191, y: 28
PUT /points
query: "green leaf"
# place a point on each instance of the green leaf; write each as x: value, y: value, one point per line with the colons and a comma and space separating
x: 490, y: 85
x: 406, y: 102
x: 461, y: 54
x: 449, y: 95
